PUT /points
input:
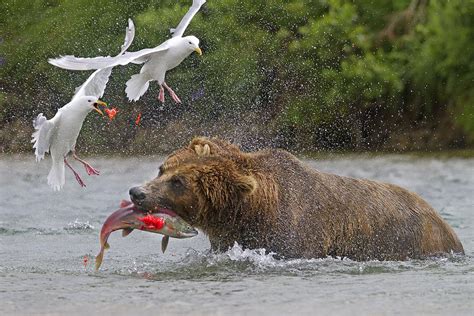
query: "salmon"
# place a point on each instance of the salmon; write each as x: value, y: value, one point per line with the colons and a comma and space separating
x: 129, y: 217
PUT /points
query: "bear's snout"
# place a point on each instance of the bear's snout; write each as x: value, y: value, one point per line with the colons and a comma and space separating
x: 137, y: 194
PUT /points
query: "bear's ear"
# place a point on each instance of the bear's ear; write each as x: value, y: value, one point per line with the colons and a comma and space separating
x: 224, y: 185
x: 202, y: 150
x: 245, y: 184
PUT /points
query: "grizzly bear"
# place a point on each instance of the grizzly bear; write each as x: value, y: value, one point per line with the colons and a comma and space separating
x: 270, y: 199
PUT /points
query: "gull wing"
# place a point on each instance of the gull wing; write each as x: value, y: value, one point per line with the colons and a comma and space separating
x: 95, y: 84
x: 42, y: 136
x: 97, y: 81
x: 129, y: 36
x: 179, y: 30
x: 76, y: 63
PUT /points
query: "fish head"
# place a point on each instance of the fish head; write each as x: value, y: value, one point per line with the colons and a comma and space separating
x: 175, y: 226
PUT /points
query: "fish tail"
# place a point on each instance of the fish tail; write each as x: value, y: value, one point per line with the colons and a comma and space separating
x: 98, y: 259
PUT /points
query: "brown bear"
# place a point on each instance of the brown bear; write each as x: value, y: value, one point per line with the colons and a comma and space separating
x: 270, y: 199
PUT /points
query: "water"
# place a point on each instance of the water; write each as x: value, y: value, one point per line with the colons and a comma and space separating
x: 45, y: 235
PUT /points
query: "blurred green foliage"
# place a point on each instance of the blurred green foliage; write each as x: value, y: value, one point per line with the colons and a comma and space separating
x: 302, y: 74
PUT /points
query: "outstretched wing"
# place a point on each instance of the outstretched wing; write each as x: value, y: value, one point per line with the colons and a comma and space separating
x: 96, y: 83
x: 76, y: 63
x: 129, y: 36
x: 42, y: 136
x: 179, y: 30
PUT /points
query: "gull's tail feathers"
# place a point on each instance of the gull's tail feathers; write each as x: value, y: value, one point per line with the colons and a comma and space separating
x: 56, y: 176
x: 136, y: 87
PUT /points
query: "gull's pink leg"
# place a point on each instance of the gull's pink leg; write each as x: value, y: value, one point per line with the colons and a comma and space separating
x: 172, y: 93
x: 89, y: 169
x: 78, y: 178
x: 161, y: 96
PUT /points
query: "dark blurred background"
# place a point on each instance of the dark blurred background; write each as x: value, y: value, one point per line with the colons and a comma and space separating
x: 365, y: 75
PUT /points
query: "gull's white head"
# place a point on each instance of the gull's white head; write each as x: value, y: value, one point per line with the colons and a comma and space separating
x: 192, y: 42
x: 91, y: 103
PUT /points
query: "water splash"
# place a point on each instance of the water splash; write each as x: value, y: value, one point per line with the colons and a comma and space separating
x: 78, y: 226
x: 238, y: 261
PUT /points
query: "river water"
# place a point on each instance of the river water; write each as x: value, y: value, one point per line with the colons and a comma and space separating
x: 45, y: 237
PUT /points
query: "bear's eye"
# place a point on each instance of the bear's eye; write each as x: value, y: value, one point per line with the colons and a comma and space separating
x: 177, y: 182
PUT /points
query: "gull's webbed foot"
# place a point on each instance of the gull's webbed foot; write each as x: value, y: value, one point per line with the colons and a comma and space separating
x: 89, y: 169
x: 173, y: 95
x: 161, y: 96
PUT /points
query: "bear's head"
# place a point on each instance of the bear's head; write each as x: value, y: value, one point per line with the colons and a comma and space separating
x: 200, y: 184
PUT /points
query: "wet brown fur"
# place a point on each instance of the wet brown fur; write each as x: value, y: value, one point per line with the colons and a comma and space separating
x: 269, y: 199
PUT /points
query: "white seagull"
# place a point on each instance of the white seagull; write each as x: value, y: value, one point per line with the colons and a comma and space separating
x: 59, y: 134
x: 156, y: 61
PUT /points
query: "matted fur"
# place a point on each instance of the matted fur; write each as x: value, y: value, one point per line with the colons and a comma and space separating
x: 270, y: 199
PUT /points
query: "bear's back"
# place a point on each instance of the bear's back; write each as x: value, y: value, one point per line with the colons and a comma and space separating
x: 321, y: 214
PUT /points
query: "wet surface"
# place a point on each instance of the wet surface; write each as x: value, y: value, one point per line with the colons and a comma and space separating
x: 45, y: 236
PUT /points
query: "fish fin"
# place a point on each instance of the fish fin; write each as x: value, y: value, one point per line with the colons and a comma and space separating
x: 98, y: 259
x: 126, y: 231
x: 106, y: 246
x: 164, y: 243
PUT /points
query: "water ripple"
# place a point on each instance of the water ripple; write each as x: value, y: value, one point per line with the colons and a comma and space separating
x: 4, y: 231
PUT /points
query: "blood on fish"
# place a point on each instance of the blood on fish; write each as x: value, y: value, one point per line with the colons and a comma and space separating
x: 85, y: 261
x: 111, y: 113
x: 139, y: 117
x: 152, y: 222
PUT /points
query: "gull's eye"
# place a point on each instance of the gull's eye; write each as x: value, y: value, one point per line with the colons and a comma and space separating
x: 190, y: 43
x: 89, y: 101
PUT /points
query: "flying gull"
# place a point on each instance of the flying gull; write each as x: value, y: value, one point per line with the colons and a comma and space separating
x: 59, y: 134
x: 156, y: 61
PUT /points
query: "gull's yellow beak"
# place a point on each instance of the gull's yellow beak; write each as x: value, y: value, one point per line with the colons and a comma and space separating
x: 198, y: 50
x: 96, y: 106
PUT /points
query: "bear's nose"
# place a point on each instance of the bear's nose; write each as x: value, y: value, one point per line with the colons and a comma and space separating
x: 136, y: 194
